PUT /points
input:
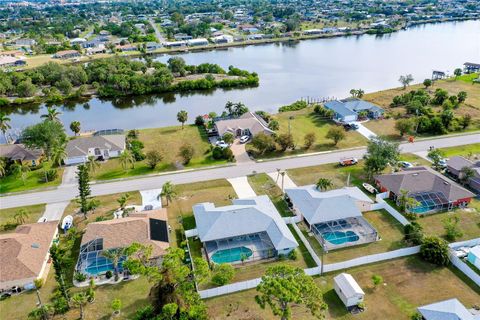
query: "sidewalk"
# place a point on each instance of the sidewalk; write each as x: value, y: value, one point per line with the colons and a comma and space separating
x: 287, y: 181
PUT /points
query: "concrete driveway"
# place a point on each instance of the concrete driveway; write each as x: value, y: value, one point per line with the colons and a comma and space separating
x: 240, y: 153
x: 54, y: 211
x: 287, y: 182
x: 242, y: 187
x: 364, y: 131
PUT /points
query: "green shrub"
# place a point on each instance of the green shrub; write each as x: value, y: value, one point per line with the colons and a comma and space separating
x: 297, y: 105
x: 293, y: 255
x: 223, y: 274
x: 80, y: 277
x: 109, y: 274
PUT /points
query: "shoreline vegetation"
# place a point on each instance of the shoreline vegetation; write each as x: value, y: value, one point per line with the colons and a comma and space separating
x: 54, y: 83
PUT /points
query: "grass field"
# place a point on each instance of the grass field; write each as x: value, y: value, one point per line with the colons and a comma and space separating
x: 263, y: 184
x: 471, y: 151
x: 389, y: 230
x: 408, y: 284
x: 12, y: 183
x: 305, y: 121
x: 34, y: 213
x: 167, y: 141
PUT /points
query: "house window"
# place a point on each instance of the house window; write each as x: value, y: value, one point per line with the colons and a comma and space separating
x: 97, y: 152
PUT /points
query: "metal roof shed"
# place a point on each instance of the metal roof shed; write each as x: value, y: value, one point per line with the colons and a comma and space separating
x: 348, y: 290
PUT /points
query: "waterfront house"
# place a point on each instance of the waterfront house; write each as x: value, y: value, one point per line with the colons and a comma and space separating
x: 470, y: 67
x: 22, y: 154
x: 100, y: 146
x: 25, y: 42
x: 182, y: 37
x: 127, y: 48
x: 474, y: 256
x: 66, y: 54
x: 248, y: 124
x: 350, y: 109
x: 78, y: 41
x: 8, y: 61
x: 197, y: 42
x: 348, y: 290
x: 11, y: 53
x: 335, y: 216
x: 152, y: 46
x: 225, y: 38
x: 455, y: 166
x: 451, y: 309
x: 24, y: 254
x: 248, y: 230
x: 144, y: 227
x: 174, y: 44
x: 433, y: 191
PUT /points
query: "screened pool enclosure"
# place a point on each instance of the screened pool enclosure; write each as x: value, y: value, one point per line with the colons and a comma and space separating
x: 245, y: 248
x: 91, y: 262
x: 342, y: 233
x: 429, y: 202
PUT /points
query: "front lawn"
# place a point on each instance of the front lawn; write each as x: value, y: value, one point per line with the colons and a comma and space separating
x: 306, y: 121
x: 388, y: 228
x: 167, y: 141
x: 262, y: 184
x: 408, y: 283
x: 467, y: 151
x: 33, y: 180
x: 34, y: 213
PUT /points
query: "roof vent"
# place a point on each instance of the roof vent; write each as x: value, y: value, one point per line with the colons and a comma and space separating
x: 35, y: 245
x: 446, y: 183
x: 415, y: 174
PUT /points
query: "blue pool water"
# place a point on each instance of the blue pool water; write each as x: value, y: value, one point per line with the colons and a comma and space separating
x: 339, y: 237
x: 231, y: 255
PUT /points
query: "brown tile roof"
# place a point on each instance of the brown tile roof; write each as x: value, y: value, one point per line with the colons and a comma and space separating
x: 19, y: 152
x: 120, y: 233
x: 422, y: 179
x: 23, y: 252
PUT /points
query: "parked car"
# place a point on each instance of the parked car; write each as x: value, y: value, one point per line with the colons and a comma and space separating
x: 353, y: 126
x: 348, y: 161
x: 244, y: 139
x: 347, y: 126
x: 223, y: 145
x: 405, y: 164
x: 219, y: 142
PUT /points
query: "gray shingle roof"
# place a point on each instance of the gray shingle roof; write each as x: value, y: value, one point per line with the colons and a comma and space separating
x: 446, y: 310
x: 19, y: 152
x: 247, y: 121
x: 422, y: 179
x: 79, y: 147
x: 351, y: 106
x: 317, y: 207
x: 458, y: 163
x: 245, y: 216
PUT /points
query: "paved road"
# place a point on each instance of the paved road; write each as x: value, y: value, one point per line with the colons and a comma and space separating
x: 68, y: 193
x: 158, y: 34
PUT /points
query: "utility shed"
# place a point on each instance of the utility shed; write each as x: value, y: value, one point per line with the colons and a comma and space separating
x: 348, y: 290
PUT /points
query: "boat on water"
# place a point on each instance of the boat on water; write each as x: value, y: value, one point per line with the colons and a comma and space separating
x: 67, y: 223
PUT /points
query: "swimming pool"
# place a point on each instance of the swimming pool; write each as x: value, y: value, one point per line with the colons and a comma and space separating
x: 231, y: 255
x: 339, y: 237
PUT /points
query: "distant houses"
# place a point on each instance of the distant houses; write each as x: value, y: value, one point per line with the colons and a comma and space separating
x: 100, y: 146
x: 351, y: 109
x: 24, y: 254
x: 66, y: 54
x: 8, y: 61
x: 248, y: 230
x: 432, y: 191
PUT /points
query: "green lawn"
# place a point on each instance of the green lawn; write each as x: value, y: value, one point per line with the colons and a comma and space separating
x: 468, y: 151
x: 34, y: 213
x: 167, y: 141
x: 389, y: 230
x: 262, y: 184
x: 305, y: 121
x: 408, y: 284
x: 11, y: 183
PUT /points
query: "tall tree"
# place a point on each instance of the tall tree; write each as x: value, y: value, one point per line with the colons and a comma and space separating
x: 92, y: 164
x: 466, y: 173
x: 168, y: 192
x: 380, y: 153
x: 337, y: 134
x: 83, y: 188
x: 59, y: 262
x: 59, y: 153
x: 182, y: 117
x: 122, y: 201
x: 75, y: 127
x: 52, y: 114
x: 21, y: 170
x: 80, y: 300
x: 4, y: 125
x: 405, y: 80
x: 436, y: 155
x: 114, y: 255
x: 126, y: 159
x: 45, y: 136
x: 457, y: 72
x: 284, y: 286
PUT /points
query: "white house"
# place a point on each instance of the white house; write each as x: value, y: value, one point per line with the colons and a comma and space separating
x: 197, y: 42
x: 348, y: 290
x: 100, y: 147
x: 451, y: 309
x: 474, y: 256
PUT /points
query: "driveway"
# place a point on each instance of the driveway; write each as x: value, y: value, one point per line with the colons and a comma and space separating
x: 69, y: 177
x: 150, y: 197
x: 242, y: 187
x: 54, y: 211
x: 240, y: 153
x: 364, y: 131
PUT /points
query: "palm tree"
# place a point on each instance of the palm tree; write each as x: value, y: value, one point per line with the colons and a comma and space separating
x: 58, y: 154
x: 114, y: 255
x: 168, y: 191
x: 21, y: 216
x: 323, y: 184
x: 4, y: 125
x: 126, y: 158
x: 406, y: 202
x: 465, y: 174
x: 3, y: 167
x: 75, y: 127
x: 182, y: 116
x: 21, y: 169
x: 80, y: 300
x: 92, y: 164
x: 52, y: 114
x: 122, y: 201
x: 42, y: 312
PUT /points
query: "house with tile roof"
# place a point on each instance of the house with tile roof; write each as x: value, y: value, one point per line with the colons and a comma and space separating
x: 145, y: 227
x: 350, y: 109
x: 250, y: 229
x: 433, y: 191
x: 24, y: 254
x: 98, y: 146
x: 20, y: 153
x: 455, y: 166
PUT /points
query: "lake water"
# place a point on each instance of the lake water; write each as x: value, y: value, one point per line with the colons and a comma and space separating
x: 311, y: 68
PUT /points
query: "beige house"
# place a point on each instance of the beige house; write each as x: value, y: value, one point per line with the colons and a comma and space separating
x: 24, y: 254
x: 18, y: 152
x: 249, y: 124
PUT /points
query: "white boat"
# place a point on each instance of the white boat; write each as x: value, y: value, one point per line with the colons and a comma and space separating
x: 369, y: 187
x: 67, y: 223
